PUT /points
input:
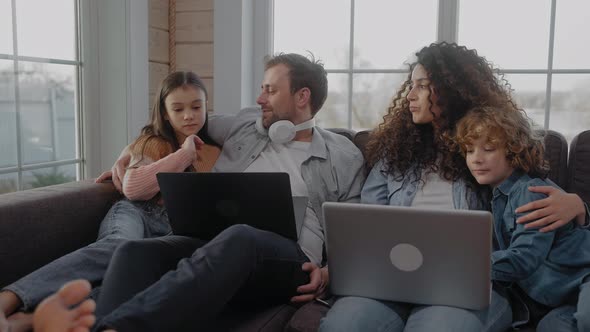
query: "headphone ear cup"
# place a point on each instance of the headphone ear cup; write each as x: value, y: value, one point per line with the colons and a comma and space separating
x: 260, y: 128
x: 282, y: 131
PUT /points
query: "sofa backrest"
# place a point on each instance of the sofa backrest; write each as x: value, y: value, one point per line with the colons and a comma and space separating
x: 556, y: 154
x: 579, y: 166
x: 348, y: 133
x: 555, y: 150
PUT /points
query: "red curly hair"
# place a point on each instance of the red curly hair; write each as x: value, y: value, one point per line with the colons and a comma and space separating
x: 504, y: 129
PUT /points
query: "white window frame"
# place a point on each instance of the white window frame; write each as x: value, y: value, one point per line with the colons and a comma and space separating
x: 114, y: 79
x: 20, y: 168
x: 112, y: 92
x: 248, y: 54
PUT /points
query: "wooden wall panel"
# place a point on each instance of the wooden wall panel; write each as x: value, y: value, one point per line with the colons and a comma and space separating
x: 195, y: 57
x: 193, y: 42
x: 158, y: 72
x: 158, y: 46
x: 209, y: 85
x: 194, y: 27
x: 194, y: 5
x: 158, y: 14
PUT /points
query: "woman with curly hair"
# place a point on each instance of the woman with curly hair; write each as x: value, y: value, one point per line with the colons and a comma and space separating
x: 415, y: 163
x: 550, y: 268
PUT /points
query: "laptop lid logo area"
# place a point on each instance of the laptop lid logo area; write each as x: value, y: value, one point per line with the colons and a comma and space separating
x: 408, y: 254
x: 406, y: 257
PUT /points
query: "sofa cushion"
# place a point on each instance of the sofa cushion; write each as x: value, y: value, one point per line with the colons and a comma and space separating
x: 40, y: 225
x: 245, y: 318
x: 556, y: 155
x: 579, y: 166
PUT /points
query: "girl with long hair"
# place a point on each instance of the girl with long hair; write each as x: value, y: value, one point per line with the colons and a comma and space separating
x: 175, y: 140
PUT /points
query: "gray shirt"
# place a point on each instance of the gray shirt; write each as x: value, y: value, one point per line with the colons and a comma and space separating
x: 333, y: 170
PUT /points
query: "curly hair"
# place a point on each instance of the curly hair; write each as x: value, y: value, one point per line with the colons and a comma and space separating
x: 461, y: 79
x: 506, y: 129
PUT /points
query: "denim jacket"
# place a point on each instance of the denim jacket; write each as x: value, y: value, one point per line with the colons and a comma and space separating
x: 550, y: 266
x: 333, y: 170
x: 385, y: 189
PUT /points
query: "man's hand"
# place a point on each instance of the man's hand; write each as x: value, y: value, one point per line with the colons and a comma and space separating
x: 318, y: 281
x: 117, y: 172
x: 553, y: 211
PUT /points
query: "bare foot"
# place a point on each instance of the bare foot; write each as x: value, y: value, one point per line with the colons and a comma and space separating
x: 55, y: 314
x: 20, y: 322
x: 3, y: 323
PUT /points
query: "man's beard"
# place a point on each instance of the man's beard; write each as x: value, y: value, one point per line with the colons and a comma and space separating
x: 267, y: 122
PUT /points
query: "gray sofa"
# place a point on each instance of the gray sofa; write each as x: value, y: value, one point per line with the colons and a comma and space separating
x: 40, y: 225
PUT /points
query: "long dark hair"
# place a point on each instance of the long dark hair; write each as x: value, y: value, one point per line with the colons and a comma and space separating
x: 158, y: 127
x: 462, y: 80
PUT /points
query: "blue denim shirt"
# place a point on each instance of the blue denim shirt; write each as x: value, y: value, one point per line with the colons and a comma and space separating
x: 333, y: 170
x: 550, y: 266
x: 386, y: 189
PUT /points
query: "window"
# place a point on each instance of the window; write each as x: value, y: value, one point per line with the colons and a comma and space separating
x: 543, y: 57
x: 364, y: 49
x: 539, y: 46
x: 39, y: 93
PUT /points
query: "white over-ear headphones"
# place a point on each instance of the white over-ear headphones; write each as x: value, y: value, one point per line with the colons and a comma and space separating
x: 283, y: 131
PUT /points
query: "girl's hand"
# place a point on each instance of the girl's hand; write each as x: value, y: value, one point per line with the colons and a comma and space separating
x: 552, y: 212
x: 192, y: 143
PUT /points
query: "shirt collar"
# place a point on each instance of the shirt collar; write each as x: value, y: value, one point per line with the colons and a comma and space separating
x: 318, y: 145
x: 506, y: 186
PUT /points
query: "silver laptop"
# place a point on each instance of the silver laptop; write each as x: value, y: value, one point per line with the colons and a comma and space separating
x: 405, y: 254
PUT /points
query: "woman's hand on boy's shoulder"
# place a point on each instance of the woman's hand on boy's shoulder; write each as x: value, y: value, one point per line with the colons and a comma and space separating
x: 552, y: 212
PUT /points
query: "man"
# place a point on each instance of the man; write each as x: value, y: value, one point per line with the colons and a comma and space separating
x: 243, y: 261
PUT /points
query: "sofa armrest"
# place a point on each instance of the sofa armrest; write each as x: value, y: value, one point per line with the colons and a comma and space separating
x: 39, y: 225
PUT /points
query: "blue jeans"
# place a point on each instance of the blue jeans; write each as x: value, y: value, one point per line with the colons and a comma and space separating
x: 569, y: 317
x: 241, y: 263
x: 125, y: 220
x: 364, y: 314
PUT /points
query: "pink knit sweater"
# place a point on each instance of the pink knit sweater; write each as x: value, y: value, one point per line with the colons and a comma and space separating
x: 151, y: 156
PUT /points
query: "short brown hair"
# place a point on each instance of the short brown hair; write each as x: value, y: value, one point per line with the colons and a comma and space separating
x: 304, y: 73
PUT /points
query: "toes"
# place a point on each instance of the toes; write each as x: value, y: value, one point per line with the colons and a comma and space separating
x: 85, y: 308
x: 74, y: 292
x: 85, y: 321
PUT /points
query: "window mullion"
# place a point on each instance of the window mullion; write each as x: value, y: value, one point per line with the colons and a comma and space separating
x: 550, y: 64
x: 19, y: 162
x: 448, y: 20
x: 350, y: 64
